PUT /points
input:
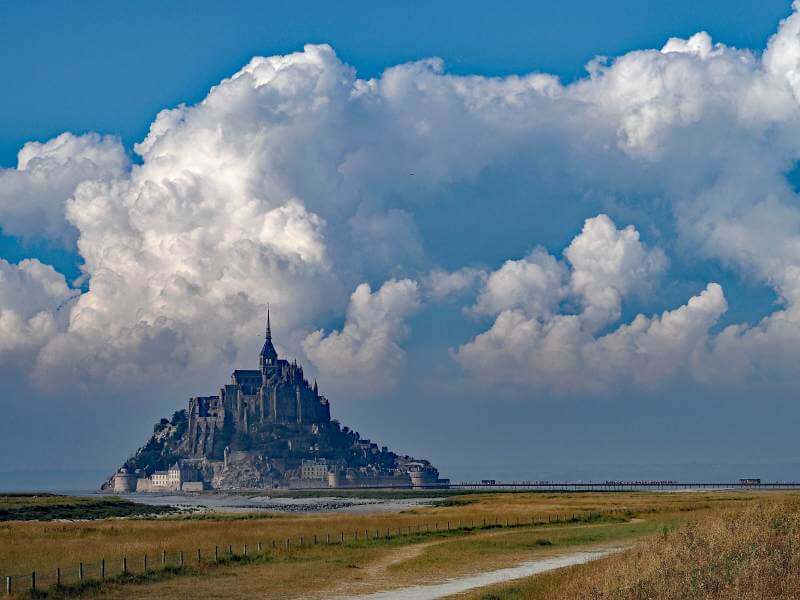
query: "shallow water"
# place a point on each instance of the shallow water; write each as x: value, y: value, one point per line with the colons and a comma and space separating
x: 471, y: 582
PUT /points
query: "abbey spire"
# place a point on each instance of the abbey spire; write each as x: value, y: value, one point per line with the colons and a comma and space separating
x: 268, y: 355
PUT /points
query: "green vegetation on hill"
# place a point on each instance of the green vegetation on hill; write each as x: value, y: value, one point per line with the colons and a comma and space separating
x: 161, y: 450
x: 48, y: 507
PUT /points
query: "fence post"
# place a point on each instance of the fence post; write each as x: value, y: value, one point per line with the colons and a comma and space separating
x: 258, y: 545
x: 230, y: 549
x: 80, y: 571
x: 102, y: 568
x: 9, y: 586
x: 124, y: 564
x: 58, y: 576
x: 245, y: 546
x: 33, y: 581
x: 327, y: 538
x: 287, y: 543
x: 163, y: 557
x: 216, y: 553
x: 199, y: 558
x: 181, y: 557
x: 144, y: 563
x: 343, y: 537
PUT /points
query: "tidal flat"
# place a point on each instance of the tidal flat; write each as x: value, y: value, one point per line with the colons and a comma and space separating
x: 281, y: 502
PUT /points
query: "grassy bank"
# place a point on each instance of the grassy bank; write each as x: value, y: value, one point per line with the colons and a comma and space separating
x: 48, y: 507
x: 751, y: 552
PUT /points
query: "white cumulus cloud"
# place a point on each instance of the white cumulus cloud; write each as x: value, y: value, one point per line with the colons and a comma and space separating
x: 534, y: 284
x: 33, y: 196
x: 548, y: 312
x: 608, y: 264
x: 368, y: 344
x: 33, y: 309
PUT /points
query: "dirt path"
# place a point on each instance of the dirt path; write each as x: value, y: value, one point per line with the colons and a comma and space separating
x: 375, y: 575
x: 371, y: 582
x: 479, y: 580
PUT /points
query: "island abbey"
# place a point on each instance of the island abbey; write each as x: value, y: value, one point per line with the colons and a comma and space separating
x: 276, y: 393
x: 268, y: 427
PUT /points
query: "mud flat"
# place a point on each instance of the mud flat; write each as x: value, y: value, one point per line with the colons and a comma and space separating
x: 244, y: 503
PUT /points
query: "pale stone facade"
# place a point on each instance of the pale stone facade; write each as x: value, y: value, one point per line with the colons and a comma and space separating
x: 177, y: 478
x: 170, y: 479
x: 315, y: 469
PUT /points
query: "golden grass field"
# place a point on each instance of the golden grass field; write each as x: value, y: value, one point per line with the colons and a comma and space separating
x: 322, y: 571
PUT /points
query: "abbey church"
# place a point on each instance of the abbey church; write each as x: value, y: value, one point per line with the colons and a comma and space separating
x: 276, y: 393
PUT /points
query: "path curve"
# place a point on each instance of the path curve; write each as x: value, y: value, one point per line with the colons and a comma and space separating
x: 471, y: 582
x: 377, y: 570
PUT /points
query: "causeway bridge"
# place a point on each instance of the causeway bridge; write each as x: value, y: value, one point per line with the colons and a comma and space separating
x: 579, y: 486
x: 617, y: 486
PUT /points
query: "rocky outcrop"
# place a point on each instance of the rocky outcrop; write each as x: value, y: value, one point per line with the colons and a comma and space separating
x: 246, y: 470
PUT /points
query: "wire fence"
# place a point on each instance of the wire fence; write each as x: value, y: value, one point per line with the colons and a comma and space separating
x: 151, y: 566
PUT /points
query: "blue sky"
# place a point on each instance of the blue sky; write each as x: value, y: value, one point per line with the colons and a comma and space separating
x: 659, y: 193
